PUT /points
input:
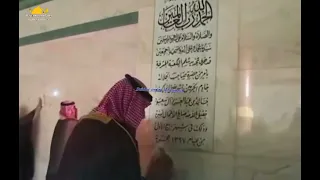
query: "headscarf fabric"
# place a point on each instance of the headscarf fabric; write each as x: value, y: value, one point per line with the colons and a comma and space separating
x: 68, y: 110
x: 124, y: 104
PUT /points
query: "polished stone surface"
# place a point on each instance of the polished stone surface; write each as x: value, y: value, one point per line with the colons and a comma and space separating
x: 79, y: 68
x: 273, y: 127
x: 248, y: 168
x: 270, y: 34
x: 67, y: 13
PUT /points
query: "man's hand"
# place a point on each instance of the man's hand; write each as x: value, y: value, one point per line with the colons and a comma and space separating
x: 160, y: 167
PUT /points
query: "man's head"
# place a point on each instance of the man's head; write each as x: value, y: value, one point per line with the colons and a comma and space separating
x: 123, y: 103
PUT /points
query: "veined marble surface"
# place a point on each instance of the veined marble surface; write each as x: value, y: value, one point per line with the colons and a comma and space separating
x: 270, y: 34
x: 272, y: 128
x: 267, y: 169
x: 256, y: 137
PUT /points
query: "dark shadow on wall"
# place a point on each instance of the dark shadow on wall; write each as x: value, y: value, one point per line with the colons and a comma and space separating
x: 23, y: 111
x: 28, y: 128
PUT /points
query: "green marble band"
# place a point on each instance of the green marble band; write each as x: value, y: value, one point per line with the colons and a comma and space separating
x: 24, y: 4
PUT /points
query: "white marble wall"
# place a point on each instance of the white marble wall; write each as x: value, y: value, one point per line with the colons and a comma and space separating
x: 257, y: 125
x: 80, y: 68
x: 67, y: 13
x: 269, y: 79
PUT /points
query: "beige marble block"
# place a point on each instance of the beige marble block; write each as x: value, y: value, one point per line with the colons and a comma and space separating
x: 267, y: 169
x: 79, y: 68
x: 270, y: 34
x: 73, y: 12
x: 269, y: 114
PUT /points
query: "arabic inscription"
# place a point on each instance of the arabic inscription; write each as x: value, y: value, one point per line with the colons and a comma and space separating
x: 184, y: 54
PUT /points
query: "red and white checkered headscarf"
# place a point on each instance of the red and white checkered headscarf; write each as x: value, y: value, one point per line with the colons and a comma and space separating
x: 68, y: 110
x: 123, y: 103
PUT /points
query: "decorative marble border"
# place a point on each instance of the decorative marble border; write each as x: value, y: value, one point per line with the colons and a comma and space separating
x: 107, y: 23
x: 29, y: 3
